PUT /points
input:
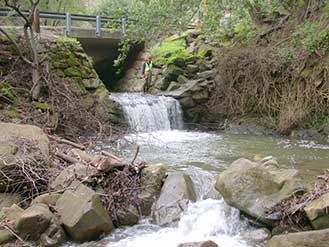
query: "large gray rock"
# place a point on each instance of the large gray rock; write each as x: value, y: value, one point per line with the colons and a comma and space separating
x: 9, y: 133
x: 301, y: 239
x: 49, y: 199
x: 37, y: 223
x: 255, y: 187
x: 257, y: 236
x: 199, y: 244
x: 12, y: 138
x: 82, y: 214
x: 317, y: 212
x: 152, y: 178
x: 176, y: 193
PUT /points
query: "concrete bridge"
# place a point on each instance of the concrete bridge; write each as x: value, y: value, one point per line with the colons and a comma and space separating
x: 99, y: 42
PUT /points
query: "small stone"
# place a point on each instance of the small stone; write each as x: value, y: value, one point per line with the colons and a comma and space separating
x: 182, y: 79
x: 317, y: 212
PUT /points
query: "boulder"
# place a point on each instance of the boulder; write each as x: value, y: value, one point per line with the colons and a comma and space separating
x: 176, y: 193
x: 128, y: 216
x: 82, y: 214
x: 199, y: 244
x: 8, y: 199
x: 192, y: 68
x: 34, y: 221
x: 301, y: 239
x: 70, y: 175
x: 9, y: 133
x: 209, y: 74
x: 49, y: 199
x: 200, y: 96
x: 152, y: 178
x: 162, y: 84
x: 187, y: 102
x: 172, y: 72
x: 253, y: 187
x: 173, y: 86
x: 317, y: 212
x: 12, y: 138
x: 182, y: 79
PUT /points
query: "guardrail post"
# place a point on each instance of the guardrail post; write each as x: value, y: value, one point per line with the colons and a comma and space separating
x: 124, y: 26
x: 98, y: 26
x: 68, y: 20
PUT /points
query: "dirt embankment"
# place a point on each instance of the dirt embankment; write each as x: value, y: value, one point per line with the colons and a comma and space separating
x: 280, y: 76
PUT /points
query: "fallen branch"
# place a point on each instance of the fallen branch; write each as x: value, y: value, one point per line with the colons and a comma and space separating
x: 64, y: 141
x: 67, y: 158
x: 111, y: 155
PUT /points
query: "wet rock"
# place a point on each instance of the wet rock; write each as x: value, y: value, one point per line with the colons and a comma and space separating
x: 83, y: 215
x: 187, y: 102
x: 8, y: 199
x: 199, y: 244
x: 128, y: 216
x: 317, y: 212
x: 301, y: 239
x: 253, y: 187
x: 152, y: 178
x: 53, y: 236
x: 176, y: 193
x: 257, y: 236
x: 70, y: 175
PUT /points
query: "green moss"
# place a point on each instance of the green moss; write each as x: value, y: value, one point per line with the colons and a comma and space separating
x: 170, y: 49
x: 205, y: 52
x: 73, y: 72
x: 7, y: 91
x: 12, y: 113
x: 43, y: 106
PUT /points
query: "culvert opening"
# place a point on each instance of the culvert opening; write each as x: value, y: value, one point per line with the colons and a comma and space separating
x: 104, y: 52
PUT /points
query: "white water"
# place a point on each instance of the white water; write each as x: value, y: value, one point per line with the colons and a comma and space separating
x: 204, y: 220
x: 146, y: 113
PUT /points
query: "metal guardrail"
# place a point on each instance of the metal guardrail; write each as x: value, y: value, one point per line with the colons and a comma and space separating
x: 68, y: 17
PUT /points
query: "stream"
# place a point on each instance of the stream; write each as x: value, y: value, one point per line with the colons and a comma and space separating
x: 157, y: 127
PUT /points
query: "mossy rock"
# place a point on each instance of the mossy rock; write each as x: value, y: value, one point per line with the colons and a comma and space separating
x: 169, y: 50
x: 73, y: 72
x: 12, y: 113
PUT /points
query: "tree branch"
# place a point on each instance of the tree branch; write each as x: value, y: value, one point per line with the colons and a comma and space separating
x: 20, y: 53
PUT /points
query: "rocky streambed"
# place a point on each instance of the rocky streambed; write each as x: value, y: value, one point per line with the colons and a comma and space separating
x: 189, y: 190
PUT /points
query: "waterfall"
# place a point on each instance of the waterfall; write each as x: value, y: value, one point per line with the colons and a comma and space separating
x: 147, y: 113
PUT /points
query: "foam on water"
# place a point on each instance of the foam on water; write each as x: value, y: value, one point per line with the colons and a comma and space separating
x: 204, y: 220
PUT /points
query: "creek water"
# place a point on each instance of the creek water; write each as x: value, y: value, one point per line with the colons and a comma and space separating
x: 202, y: 156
